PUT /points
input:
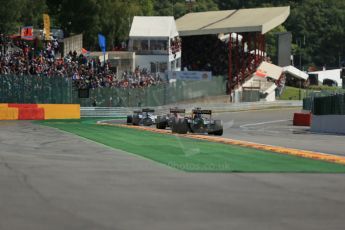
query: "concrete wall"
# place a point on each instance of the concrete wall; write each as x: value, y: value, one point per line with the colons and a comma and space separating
x: 73, y: 43
x: 122, y: 60
x: 328, y: 124
x: 144, y: 61
x: 271, y: 94
x: 98, y: 55
x: 263, y: 85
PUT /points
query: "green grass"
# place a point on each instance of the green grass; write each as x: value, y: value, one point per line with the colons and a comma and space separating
x: 291, y: 93
x: 192, y: 155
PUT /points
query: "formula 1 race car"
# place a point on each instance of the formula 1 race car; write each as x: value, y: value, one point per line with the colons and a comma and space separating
x: 167, y: 120
x: 200, y: 122
x: 143, y: 117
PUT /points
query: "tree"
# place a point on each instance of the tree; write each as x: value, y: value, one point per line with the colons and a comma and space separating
x: 317, y: 22
x: 117, y: 17
x: 321, y: 24
x: 271, y: 41
x: 32, y: 13
x: 10, y: 11
x: 164, y: 7
x: 205, y: 5
x: 81, y: 17
x: 90, y: 17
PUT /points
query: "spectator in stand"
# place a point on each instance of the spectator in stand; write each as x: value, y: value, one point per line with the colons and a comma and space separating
x: 84, y: 73
x: 204, y: 53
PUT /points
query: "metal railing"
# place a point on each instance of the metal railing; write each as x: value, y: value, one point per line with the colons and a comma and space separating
x: 159, y: 110
x: 35, y: 89
x: 154, y: 95
x: 44, y: 89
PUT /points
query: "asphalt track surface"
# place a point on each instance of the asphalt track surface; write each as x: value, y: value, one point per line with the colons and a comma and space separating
x: 274, y: 127
x: 54, y: 180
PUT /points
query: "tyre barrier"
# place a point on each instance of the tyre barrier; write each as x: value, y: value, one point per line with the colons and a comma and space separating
x: 302, y: 119
x: 60, y: 111
x: 31, y: 114
x: 23, y: 106
x: 8, y: 113
x: 14, y: 111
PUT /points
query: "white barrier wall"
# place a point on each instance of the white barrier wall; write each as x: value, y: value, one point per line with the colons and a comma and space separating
x: 328, y: 124
x: 73, y: 43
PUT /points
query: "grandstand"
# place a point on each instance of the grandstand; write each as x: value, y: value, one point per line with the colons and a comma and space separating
x: 212, y: 31
x: 222, y: 42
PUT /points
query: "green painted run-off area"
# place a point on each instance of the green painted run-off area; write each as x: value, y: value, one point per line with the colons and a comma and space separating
x: 192, y: 155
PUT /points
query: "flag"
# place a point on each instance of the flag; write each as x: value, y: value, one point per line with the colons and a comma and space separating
x: 46, y: 22
x: 84, y: 51
x: 102, y: 42
x: 27, y: 33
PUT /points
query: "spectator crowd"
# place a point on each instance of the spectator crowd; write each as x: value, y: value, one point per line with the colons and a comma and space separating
x: 205, y: 53
x: 19, y: 58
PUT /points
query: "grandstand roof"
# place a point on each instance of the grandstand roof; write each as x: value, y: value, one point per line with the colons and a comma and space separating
x: 144, y: 27
x: 234, y: 21
x: 295, y: 72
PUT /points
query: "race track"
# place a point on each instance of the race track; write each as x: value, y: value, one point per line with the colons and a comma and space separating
x: 54, y: 180
x: 274, y: 127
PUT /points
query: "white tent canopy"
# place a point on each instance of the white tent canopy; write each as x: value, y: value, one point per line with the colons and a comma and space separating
x: 333, y: 75
x: 157, y: 27
x: 295, y: 72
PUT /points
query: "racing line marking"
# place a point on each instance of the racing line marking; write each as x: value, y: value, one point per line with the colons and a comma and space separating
x: 277, y: 149
x: 262, y: 123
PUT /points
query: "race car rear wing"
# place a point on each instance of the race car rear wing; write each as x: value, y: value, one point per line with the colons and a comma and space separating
x: 148, y: 110
x: 177, y: 111
x: 202, y: 111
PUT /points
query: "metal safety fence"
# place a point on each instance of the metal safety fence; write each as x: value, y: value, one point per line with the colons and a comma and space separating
x: 310, y: 95
x: 53, y: 90
x: 35, y: 89
x: 329, y: 105
x: 112, y: 112
x: 154, y: 95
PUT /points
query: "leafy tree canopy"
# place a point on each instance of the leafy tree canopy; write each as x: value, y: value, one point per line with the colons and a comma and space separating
x: 317, y: 25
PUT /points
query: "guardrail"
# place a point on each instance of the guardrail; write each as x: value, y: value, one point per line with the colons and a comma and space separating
x: 159, y: 110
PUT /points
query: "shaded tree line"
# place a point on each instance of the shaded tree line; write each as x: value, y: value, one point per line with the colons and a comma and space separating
x: 317, y: 25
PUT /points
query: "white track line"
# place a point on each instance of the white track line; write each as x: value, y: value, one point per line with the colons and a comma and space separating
x: 262, y: 123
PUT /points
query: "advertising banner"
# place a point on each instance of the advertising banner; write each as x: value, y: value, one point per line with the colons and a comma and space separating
x: 190, y: 75
x: 27, y: 33
x: 46, y: 22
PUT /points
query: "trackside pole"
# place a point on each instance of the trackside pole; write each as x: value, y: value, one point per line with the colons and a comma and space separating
x: 249, y: 54
x: 243, y: 61
x: 237, y: 61
x: 230, y: 65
